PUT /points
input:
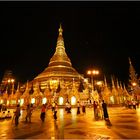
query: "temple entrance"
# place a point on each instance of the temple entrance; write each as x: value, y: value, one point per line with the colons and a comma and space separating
x: 21, y: 102
x: 61, y: 101
x: 73, y: 100
x: 1, y: 101
x: 8, y: 102
x: 38, y: 101
x: 12, y: 102
x: 32, y: 100
x: 112, y: 100
x: 44, y: 100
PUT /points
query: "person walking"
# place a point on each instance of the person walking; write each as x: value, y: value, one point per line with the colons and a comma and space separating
x: 83, y: 107
x: 17, y: 115
x: 78, y: 107
x: 55, y: 112
x: 95, y: 110
x: 105, y: 112
x: 29, y: 113
x: 43, y: 113
x: 100, y: 110
x: 134, y: 104
x: 53, y: 106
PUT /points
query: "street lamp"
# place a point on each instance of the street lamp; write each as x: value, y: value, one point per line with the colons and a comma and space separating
x: 134, y: 84
x: 11, y: 82
x: 92, y: 73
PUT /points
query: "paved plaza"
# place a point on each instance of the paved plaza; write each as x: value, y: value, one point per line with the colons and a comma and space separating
x: 125, y: 125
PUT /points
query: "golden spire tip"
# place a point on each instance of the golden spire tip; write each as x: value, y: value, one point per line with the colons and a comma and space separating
x: 60, y: 29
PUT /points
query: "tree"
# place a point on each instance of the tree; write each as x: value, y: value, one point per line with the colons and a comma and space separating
x: 133, y: 82
x: 133, y: 77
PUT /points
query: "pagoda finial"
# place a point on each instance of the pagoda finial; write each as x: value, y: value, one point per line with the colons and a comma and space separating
x: 124, y: 86
x: 60, y: 29
x: 105, y: 82
x: 112, y: 81
x: 129, y: 60
x: 118, y: 86
x: 18, y: 87
x: 6, y: 90
x: 27, y: 85
x: 121, y: 85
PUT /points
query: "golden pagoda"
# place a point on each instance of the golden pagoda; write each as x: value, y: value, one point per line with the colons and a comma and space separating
x: 55, y: 83
x: 60, y: 67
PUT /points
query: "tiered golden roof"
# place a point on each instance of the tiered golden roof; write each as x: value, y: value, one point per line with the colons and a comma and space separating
x: 60, y: 66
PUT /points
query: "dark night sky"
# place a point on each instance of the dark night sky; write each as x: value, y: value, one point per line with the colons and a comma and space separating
x: 96, y: 34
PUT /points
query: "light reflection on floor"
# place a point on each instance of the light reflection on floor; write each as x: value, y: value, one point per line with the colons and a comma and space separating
x: 73, y: 126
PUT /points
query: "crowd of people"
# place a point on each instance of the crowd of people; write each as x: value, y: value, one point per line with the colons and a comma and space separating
x: 99, y: 109
x: 132, y: 104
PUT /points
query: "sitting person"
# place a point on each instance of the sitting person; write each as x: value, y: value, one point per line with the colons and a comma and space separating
x: 2, y: 116
x: 8, y: 115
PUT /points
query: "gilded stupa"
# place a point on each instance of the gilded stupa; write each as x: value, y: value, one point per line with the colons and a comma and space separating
x: 60, y: 66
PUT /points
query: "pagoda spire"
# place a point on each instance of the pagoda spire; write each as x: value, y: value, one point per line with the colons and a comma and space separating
x: 60, y: 30
x: 27, y: 86
x: 126, y: 92
x: 112, y: 80
x: 18, y: 93
x: 60, y: 42
x: 12, y: 89
x: 121, y: 85
x: 60, y: 55
x: 6, y: 90
x: 118, y: 86
x: 105, y: 82
x: 124, y: 87
x: 129, y: 61
x: 17, y: 88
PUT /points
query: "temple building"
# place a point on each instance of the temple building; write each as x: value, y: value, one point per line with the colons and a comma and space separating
x: 58, y: 80
x: 61, y: 83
